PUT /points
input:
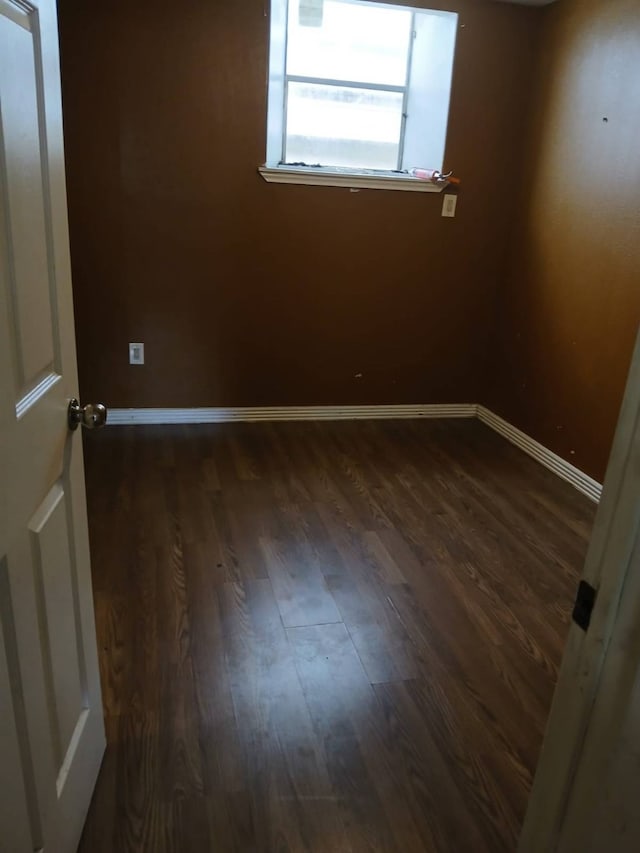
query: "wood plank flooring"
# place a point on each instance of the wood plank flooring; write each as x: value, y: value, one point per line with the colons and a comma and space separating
x: 324, y: 636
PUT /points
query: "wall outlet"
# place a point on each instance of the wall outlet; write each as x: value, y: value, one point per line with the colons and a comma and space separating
x: 136, y: 353
x: 449, y: 205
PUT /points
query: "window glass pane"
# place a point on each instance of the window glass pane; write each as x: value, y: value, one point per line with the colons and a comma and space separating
x: 340, y: 126
x: 360, y: 43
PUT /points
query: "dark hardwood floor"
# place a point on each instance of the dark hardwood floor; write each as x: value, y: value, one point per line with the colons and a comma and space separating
x: 324, y: 636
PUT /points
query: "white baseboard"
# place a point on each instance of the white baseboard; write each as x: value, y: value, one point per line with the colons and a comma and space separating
x: 585, y: 484
x: 581, y: 481
x: 289, y: 413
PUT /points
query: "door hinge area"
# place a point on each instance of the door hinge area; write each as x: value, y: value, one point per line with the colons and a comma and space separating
x: 583, y: 608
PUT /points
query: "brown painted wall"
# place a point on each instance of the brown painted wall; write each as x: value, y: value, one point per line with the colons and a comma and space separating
x: 568, y: 315
x: 247, y: 293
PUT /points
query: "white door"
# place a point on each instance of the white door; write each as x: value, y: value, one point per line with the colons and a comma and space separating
x: 587, y: 786
x: 602, y: 809
x: 51, y: 724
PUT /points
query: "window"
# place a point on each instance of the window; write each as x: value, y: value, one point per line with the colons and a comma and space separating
x: 358, y: 87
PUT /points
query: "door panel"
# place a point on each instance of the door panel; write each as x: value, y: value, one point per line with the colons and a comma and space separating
x: 58, y: 624
x: 30, y: 291
x: 52, y: 725
x: 23, y: 646
x: 14, y: 818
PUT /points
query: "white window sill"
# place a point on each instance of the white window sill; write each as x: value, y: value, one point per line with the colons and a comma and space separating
x: 369, y: 180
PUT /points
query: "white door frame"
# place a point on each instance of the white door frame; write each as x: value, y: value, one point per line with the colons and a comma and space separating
x: 607, y: 568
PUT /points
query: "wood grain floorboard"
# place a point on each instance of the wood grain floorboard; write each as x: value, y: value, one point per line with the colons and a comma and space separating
x: 324, y: 636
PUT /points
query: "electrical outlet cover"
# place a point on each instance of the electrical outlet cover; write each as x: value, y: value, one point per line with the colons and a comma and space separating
x: 136, y: 353
x: 449, y: 205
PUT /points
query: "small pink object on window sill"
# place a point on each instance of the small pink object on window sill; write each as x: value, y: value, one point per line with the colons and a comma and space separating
x: 433, y: 176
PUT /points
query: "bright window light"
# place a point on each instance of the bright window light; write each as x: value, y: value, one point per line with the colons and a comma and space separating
x: 343, y: 126
x: 369, y: 43
x: 358, y: 85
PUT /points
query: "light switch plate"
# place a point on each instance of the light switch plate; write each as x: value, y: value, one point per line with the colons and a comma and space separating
x: 449, y: 205
x: 136, y: 353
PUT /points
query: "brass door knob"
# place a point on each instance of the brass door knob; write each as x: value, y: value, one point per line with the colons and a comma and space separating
x: 91, y: 416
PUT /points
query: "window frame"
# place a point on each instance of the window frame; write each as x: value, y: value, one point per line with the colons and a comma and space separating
x: 277, y: 170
